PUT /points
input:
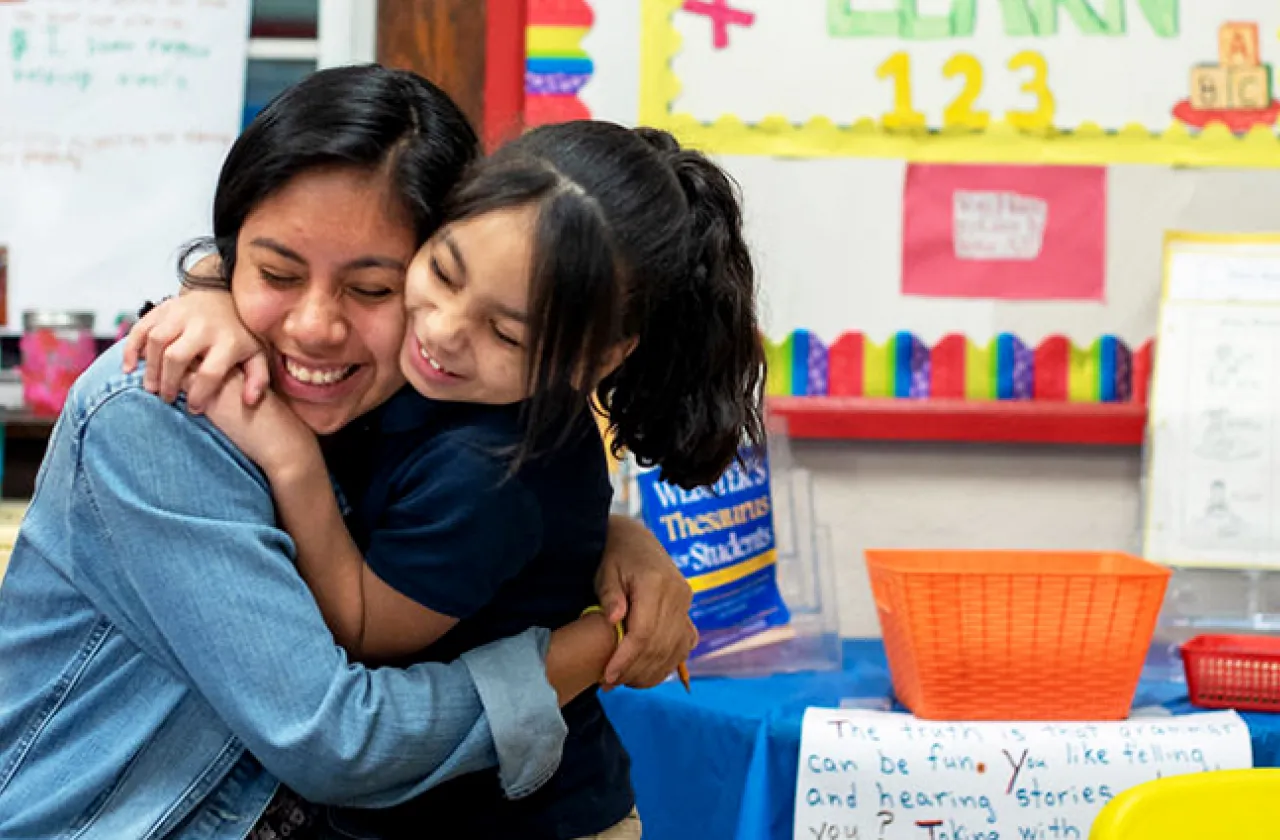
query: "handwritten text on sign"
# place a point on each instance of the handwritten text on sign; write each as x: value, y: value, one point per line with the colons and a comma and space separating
x: 881, y: 776
x: 1005, y: 232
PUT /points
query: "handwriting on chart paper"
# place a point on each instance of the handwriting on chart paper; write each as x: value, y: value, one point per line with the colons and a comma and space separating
x: 86, y: 45
x: 147, y: 60
x: 882, y: 776
x: 48, y: 151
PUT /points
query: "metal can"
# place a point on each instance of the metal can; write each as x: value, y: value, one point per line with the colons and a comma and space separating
x: 56, y: 346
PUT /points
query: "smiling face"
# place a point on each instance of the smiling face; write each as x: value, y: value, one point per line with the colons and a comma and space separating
x: 319, y: 279
x: 467, y: 296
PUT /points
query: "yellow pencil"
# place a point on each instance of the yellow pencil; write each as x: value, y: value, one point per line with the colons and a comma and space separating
x: 682, y: 670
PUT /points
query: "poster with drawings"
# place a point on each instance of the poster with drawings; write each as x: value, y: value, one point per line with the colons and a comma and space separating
x: 1214, y: 447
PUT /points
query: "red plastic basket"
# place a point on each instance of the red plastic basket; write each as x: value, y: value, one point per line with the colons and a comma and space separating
x: 1233, y: 672
x: 1016, y: 635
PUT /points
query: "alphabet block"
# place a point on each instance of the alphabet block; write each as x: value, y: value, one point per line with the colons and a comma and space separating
x: 1238, y: 45
x: 1209, y: 90
x: 1250, y: 87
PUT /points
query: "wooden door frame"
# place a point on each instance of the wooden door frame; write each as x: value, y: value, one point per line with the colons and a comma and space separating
x: 473, y: 49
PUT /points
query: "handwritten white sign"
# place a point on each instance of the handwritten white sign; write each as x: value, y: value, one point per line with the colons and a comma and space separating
x: 884, y: 776
x: 998, y: 225
x: 115, y: 116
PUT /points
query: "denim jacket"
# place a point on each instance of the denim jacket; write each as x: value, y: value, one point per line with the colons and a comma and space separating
x: 162, y: 664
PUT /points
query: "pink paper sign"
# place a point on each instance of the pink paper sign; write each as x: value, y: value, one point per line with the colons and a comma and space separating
x: 1005, y: 232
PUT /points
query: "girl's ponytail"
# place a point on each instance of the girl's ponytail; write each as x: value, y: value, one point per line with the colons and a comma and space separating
x: 691, y: 393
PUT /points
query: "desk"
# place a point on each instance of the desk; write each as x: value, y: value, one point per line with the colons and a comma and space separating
x: 720, y: 763
x: 23, y: 440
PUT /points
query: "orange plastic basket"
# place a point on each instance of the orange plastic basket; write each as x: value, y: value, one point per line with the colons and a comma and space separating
x: 1016, y: 635
x: 1233, y: 672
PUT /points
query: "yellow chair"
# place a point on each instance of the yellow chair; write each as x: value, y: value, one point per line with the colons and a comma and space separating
x: 1226, y: 805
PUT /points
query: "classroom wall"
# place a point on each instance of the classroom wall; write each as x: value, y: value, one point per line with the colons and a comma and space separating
x: 903, y: 495
x: 827, y: 239
x: 827, y: 233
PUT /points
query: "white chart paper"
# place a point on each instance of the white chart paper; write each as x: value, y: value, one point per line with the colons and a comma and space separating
x: 889, y: 776
x: 1212, y: 492
x: 116, y: 117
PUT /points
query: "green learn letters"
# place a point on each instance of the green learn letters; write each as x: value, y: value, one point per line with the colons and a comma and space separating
x: 1044, y: 14
x: 845, y: 21
x: 1162, y: 15
x: 1021, y: 18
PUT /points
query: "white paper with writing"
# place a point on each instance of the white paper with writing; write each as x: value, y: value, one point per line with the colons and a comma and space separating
x: 997, y: 225
x: 115, y: 116
x: 1215, y: 409
x: 889, y: 776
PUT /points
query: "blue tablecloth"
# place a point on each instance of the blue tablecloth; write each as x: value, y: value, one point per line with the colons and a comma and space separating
x: 720, y: 763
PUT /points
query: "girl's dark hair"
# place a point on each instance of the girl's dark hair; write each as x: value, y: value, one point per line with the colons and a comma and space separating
x: 360, y: 116
x: 638, y: 239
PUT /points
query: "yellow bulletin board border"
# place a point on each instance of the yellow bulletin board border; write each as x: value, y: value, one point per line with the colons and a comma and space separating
x: 775, y: 136
x: 1172, y: 239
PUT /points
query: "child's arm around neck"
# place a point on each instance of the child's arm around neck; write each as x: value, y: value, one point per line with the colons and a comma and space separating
x: 371, y: 620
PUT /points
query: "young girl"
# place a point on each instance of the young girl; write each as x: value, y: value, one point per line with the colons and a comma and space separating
x: 584, y: 262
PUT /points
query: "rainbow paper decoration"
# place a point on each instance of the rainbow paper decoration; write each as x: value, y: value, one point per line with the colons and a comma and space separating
x: 556, y: 67
x: 1005, y: 368
x: 797, y: 365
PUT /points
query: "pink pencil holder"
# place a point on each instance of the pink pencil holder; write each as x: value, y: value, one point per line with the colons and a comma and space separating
x: 56, y: 348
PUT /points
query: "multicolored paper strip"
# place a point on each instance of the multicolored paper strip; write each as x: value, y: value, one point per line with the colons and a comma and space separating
x: 1006, y: 368
x: 556, y: 66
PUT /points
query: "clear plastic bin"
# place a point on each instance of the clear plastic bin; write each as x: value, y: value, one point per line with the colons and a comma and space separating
x: 810, y: 640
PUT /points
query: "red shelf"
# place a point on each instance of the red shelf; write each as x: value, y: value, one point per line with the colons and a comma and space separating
x: 853, y: 418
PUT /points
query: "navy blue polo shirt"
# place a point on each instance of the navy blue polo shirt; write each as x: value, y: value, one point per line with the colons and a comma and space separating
x: 440, y: 517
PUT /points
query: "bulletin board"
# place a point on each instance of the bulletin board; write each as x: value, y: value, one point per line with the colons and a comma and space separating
x: 1014, y: 81
x: 117, y: 117
x: 827, y: 230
